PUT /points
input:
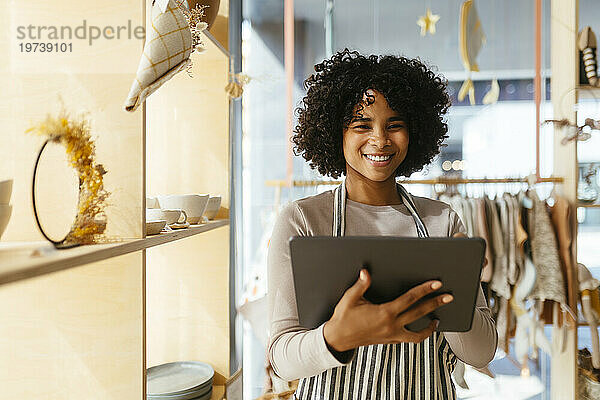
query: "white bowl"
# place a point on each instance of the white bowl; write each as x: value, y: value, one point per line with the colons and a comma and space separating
x: 212, y: 207
x: 193, y: 205
x: 5, y: 191
x: 152, y: 202
x: 5, y: 212
x: 154, y: 227
x: 172, y: 216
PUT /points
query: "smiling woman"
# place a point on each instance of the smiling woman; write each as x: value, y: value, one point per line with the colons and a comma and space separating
x: 371, y: 119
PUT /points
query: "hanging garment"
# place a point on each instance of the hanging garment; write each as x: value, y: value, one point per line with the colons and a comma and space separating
x: 560, y: 215
x: 521, y: 233
x: 529, y: 331
x: 503, y: 218
x: 482, y: 231
x: 549, y: 283
x: 499, y: 282
x: 547, y: 314
x: 502, y: 324
x: 462, y: 208
x: 561, y: 219
x: 456, y: 203
x: 590, y: 305
x: 469, y: 218
x: 510, y: 206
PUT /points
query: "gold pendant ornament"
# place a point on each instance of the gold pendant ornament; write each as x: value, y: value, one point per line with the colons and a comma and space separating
x: 471, y: 39
x: 235, y: 87
x: 491, y: 97
x: 427, y: 22
x: 467, y: 88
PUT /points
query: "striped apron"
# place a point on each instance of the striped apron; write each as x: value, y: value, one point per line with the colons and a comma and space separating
x: 402, y: 371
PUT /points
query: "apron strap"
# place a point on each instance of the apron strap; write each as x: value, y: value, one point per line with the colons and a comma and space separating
x: 410, y: 204
x: 339, y: 210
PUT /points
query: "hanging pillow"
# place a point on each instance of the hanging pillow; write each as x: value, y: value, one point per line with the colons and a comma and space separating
x: 169, y: 44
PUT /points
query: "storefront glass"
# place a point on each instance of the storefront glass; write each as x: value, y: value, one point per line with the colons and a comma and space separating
x: 486, y: 140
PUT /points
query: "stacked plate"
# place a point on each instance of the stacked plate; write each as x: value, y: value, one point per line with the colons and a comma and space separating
x: 182, y: 380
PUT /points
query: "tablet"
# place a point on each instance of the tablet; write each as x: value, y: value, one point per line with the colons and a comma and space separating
x: 325, y: 266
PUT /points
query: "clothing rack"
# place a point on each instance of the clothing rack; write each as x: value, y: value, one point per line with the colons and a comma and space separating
x: 435, y: 181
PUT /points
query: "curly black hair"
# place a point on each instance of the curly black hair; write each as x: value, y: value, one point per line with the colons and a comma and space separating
x: 338, y: 85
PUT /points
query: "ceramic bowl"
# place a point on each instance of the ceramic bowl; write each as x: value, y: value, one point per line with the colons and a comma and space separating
x: 154, y: 227
x: 5, y: 191
x: 212, y: 207
x: 172, y: 216
x: 5, y: 212
x: 193, y: 205
x: 152, y: 202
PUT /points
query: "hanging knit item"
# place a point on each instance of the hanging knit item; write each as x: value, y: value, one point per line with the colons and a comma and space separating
x: 549, y: 284
x: 491, y: 97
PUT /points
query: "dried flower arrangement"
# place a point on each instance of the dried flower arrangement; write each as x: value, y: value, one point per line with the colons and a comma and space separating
x: 195, y: 18
x: 74, y: 134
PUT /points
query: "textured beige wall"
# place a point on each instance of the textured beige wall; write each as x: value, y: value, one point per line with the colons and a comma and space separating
x: 75, y: 334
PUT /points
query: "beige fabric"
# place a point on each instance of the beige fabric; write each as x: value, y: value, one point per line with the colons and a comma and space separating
x: 296, y: 352
x: 166, y: 52
x: 515, y: 235
x: 549, y: 283
x: 483, y: 232
x: 561, y: 215
x: 499, y: 282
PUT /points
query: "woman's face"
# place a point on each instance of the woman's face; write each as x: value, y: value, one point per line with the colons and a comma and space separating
x: 376, y: 143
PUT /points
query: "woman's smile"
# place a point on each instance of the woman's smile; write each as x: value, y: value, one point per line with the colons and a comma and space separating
x: 379, y: 159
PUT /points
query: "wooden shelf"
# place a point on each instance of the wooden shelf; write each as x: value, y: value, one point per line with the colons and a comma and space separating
x: 584, y: 205
x: 217, y: 43
x: 588, y: 92
x: 434, y: 181
x: 218, y: 393
x: 20, y: 260
x: 584, y: 323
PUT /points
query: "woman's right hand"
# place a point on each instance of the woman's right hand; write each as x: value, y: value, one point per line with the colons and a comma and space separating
x: 358, y: 322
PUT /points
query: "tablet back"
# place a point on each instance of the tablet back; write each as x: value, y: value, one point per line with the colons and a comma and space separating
x: 324, y: 267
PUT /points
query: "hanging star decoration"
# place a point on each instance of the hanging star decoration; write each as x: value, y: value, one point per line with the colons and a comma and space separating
x: 427, y: 22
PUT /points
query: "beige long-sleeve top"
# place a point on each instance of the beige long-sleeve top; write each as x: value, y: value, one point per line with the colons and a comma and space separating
x: 296, y: 352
